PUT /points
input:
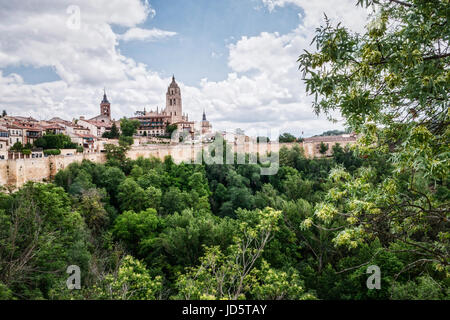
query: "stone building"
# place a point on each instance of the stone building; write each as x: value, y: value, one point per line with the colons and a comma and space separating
x: 105, y: 111
x: 15, y: 133
x: 154, y: 123
x: 312, y: 145
x: 4, y: 143
x: 100, y: 124
x: 206, y: 125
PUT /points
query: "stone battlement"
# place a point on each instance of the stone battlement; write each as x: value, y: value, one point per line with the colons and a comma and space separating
x: 17, y: 172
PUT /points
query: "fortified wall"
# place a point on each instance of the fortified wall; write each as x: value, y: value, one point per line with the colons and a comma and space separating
x: 16, y: 173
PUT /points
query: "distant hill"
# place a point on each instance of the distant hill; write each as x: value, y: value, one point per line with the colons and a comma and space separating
x: 332, y: 133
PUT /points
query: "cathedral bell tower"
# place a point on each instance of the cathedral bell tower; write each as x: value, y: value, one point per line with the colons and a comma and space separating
x: 173, y: 102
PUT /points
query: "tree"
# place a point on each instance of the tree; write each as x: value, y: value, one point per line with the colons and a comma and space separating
x: 91, y: 208
x: 116, y: 153
x: 17, y: 146
x: 174, y: 200
x: 135, y: 229
x: 132, y: 281
x: 154, y: 196
x: 323, y: 148
x: 332, y: 133
x: 391, y: 85
x: 267, y: 283
x: 287, y: 137
x: 131, y: 196
x: 40, y: 235
x: 125, y: 141
x: 227, y: 275
x: 171, y: 128
x: 55, y: 141
x: 185, y: 234
x: 4, y: 114
x: 114, y: 133
x: 129, y: 127
x: 110, y: 179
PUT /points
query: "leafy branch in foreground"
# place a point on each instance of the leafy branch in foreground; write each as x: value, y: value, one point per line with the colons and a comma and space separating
x: 233, y: 275
x: 392, y: 86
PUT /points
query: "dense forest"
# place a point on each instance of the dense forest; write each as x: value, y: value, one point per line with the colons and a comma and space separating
x: 151, y: 229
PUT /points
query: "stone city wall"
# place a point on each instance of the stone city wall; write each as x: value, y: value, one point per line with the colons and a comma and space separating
x: 17, y: 172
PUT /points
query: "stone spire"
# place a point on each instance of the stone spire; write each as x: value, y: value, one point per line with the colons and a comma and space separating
x: 173, y: 84
x: 105, y: 99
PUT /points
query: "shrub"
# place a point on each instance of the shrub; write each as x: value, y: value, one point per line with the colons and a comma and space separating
x: 52, y: 152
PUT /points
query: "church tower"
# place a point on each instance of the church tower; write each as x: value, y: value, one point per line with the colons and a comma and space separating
x: 105, y: 107
x: 173, y: 102
x: 206, y: 126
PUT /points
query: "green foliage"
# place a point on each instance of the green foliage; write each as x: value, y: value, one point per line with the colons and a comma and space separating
x: 136, y: 229
x: 113, y: 133
x: 229, y: 275
x: 55, y: 141
x: 91, y: 208
x: 171, y: 128
x: 185, y: 234
x: 267, y: 283
x: 333, y: 133
x: 226, y: 232
x: 424, y: 288
x: 52, y: 152
x: 116, y: 153
x: 126, y: 140
x: 323, y: 148
x: 128, y: 127
x: 286, y: 137
x: 17, y: 146
x: 40, y: 235
x: 131, y: 282
x: 391, y: 85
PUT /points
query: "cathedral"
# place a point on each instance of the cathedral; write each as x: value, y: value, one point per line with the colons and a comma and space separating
x: 155, y: 122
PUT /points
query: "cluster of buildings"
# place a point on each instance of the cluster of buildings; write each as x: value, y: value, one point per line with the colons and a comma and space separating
x: 154, y: 123
x: 153, y: 126
x: 88, y: 133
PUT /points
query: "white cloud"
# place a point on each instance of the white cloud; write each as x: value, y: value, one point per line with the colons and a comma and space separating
x: 145, y: 34
x: 342, y: 10
x: 263, y: 89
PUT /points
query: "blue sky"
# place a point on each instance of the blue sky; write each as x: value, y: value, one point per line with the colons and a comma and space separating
x: 236, y: 59
x: 204, y: 30
x: 199, y: 50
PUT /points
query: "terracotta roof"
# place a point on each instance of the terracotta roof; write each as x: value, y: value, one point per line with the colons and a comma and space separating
x: 99, y: 123
x: 52, y: 126
x: 85, y: 135
x: 15, y: 126
x: 33, y: 129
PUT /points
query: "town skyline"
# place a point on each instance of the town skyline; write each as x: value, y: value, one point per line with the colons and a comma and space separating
x: 223, y: 69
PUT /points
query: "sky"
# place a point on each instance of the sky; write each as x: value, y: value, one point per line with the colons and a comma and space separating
x: 235, y: 59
